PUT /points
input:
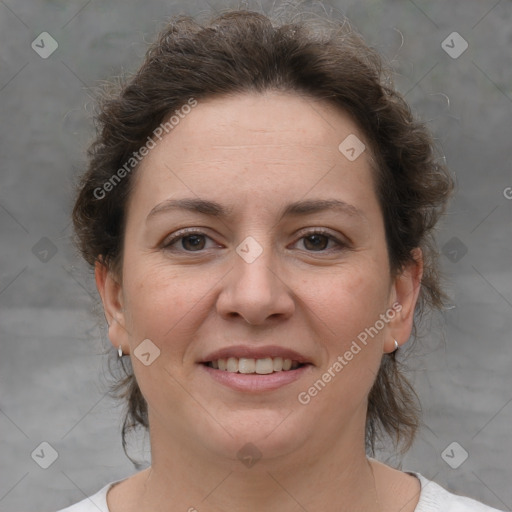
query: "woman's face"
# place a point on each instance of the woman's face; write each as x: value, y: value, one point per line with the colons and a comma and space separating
x: 265, y: 269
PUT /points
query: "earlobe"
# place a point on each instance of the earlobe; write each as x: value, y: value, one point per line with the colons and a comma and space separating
x: 110, y: 291
x: 407, y: 287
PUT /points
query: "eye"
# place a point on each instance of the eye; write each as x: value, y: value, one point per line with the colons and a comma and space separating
x: 318, y: 240
x: 191, y: 241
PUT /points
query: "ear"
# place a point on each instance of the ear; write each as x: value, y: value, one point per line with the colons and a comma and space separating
x: 111, y: 293
x: 405, y: 290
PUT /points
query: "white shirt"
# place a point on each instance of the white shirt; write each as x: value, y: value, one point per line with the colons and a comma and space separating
x: 433, y: 498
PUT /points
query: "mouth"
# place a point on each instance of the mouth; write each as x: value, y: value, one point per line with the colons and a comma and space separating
x: 260, y: 366
x: 252, y: 369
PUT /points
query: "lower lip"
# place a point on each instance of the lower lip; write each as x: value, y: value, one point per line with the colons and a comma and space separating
x: 253, y: 382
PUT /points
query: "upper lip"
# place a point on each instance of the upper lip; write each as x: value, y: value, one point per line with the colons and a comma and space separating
x: 249, y: 352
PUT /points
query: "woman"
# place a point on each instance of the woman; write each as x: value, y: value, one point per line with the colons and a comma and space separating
x: 258, y: 209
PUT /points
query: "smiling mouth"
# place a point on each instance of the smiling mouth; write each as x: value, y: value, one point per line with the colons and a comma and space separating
x: 264, y: 366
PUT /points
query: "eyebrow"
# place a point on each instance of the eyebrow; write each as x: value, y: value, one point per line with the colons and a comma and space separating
x: 214, y: 209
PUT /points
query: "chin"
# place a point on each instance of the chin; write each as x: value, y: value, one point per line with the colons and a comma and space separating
x: 265, y: 433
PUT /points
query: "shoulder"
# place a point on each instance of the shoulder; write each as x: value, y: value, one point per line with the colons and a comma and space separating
x: 434, y: 498
x: 95, y: 503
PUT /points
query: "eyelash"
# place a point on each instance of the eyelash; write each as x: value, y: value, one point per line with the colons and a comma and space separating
x: 180, y: 235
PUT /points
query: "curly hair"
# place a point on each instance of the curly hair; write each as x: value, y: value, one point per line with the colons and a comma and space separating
x: 244, y: 51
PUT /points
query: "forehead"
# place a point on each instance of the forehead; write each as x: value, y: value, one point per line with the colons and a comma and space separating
x: 249, y: 142
x: 264, y: 118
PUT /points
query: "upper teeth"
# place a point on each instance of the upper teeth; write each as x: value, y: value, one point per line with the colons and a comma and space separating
x: 248, y: 365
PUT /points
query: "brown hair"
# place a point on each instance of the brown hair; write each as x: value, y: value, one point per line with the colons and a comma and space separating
x: 244, y: 51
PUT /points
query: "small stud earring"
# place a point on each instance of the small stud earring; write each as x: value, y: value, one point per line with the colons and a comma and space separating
x: 396, y: 346
x: 120, y: 351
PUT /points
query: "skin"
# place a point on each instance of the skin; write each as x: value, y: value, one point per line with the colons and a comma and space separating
x: 256, y: 153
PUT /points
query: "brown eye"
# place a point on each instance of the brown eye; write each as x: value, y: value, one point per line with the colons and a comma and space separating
x: 182, y: 242
x: 193, y: 242
x: 316, y: 242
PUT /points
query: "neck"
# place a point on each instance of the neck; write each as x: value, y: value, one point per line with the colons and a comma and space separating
x: 182, y: 477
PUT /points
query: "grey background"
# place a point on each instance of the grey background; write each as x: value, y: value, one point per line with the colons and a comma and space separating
x: 53, y: 370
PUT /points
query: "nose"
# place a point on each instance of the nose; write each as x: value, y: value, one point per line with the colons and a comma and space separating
x: 255, y: 289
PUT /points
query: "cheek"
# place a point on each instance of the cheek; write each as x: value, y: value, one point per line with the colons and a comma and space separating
x: 161, y: 299
x: 166, y: 305
x: 352, y: 300
x: 348, y: 314
x: 159, y: 306
x: 157, y: 297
